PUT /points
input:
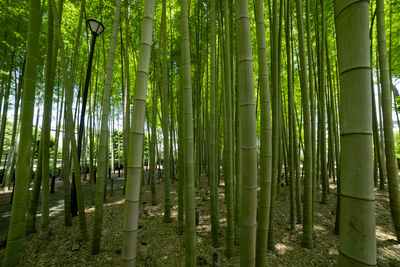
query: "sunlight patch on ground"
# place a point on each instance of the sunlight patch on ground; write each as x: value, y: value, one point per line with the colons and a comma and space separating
x: 319, y: 228
x: 332, y: 185
x: 383, y: 234
x: 120, y: 202
x: 333, y: 251
x: 282, y: 248
x: 205, y: 217
x: 91, y: 209
x: 381, y: 195
x: 174, y: 214
x: 205, y: 228
x: 4, y: 190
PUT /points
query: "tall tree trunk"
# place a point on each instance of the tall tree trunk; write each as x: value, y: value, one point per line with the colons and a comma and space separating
x: 291, y: 119
x: 165, y: 115
x: 212, y: 153
x: 60, y: 112
x: 297, y: 142
x: 280, y: 117
x: 68, y: 104
x: 390, y: 149
x: 111, y: 150
x: 275, y: 120
x: 136, y: 140
x: 127, y: 89
x: 266, y: 141
x: 30, y: 222
x: 383, y: 177
x: 22, y: 178
x: 153, y: 142
x: 103, y: 153
x: 66, y: 169
x: 377, y: 144
x: 377, y: 151
x: 228, y: 159
x: 296, y: 159
x: 307, y: 163
x: 5, y: 106
x: 188, y: 191
x: 357, y: 242
x: 46, y: 124
x: 238, y: 164
x: 12, y: 155
x: 5, y: 59
x: 312, y: 106
x: 91, y: 148
x: 34, y: 137
x: 36, y: 175
x: 181, y: 160
x: 248, y: 131
x: 322, y: 141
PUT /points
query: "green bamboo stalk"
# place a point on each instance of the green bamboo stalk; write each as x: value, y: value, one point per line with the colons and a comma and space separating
x: 153, y: 141
x: 136, y: 140
x: 248, y: 130
x: 68, y: 104
x: 104, y: 136
x: 22, y: 179
x: 238, y: 167
x: 181, y: 163
x: 5, y: 106
x: 66, y: 170
x: 390, y: 149
x: 228, y: 150
x: 212, y: 153
x: 321, y: 124
x: 275, y: 120
x: 357, y: 242
x: 30, y: 220
x: 312, y: 106
x: 165, y: 115
x: 126, y: 92
x: 307, y: 163
x: 377, y: 149
x: 34, y: 137
x: 12, y: 155
x: 292, y: 125
x: 296, y: 158
x: 383, y: 177
x: 45, y: 133
x: 266, y: 141
x: 60, y: 112
x: 188, y: 190
x: 91, y: 148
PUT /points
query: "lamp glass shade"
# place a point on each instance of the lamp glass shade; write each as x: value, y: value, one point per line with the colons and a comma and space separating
x: 95, y: 26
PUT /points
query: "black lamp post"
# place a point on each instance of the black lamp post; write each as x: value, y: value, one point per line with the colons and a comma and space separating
x: 96, y: 28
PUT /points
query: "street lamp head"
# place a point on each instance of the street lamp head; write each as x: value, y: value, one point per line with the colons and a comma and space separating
x: 95, y: 26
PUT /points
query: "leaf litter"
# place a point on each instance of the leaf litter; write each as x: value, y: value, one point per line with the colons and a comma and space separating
x: 160, y: 244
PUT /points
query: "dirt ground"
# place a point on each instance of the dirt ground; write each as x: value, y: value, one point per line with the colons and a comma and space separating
x: 165, y: 245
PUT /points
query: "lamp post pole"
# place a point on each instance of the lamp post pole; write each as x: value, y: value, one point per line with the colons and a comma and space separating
x: 95, y: 33
x: 85, y: 95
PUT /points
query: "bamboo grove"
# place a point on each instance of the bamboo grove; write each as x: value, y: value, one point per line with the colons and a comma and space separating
x: 247, y: 97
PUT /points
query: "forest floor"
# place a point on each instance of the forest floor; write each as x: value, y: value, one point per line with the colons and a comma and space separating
x: 165, y: 245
